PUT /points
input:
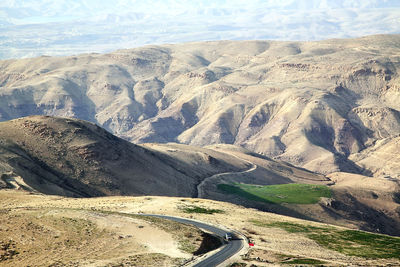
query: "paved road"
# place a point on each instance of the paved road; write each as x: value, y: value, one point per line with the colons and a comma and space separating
x: 229, y: 250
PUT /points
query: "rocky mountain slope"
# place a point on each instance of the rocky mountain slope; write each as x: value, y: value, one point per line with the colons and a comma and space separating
x: 318, y: 105
x: 70, y: 157
x: 76, y: 158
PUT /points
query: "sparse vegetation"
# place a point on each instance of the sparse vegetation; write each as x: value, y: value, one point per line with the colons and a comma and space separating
x: 348, y: 242
x: 291, y: 227
x: 67, y: 231
x: 282, y: 193
x: 7, y: 250
x: 75, y: 237
x: 148, y: 259
x: 197, y: 209
x: 28, y: 233
x: 187, y: 246
x: 304, y: 261
x: 190, y: 239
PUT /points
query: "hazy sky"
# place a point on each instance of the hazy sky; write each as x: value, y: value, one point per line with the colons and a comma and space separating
x: 60, y: 27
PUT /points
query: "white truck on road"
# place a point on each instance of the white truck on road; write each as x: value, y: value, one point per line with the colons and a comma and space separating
x: 228, y: 236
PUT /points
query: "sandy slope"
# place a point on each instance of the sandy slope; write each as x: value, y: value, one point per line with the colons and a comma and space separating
x: 42, y: 237
x: 108, y: 229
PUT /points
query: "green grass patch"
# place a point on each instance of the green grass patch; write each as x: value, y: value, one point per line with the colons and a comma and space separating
x: 197, y: 209
x: 348, y: 242
x: 290, y: 259
x: 280, y: 193
x: 292, y: 227
x: 304, y: 261
x: 357, y: 243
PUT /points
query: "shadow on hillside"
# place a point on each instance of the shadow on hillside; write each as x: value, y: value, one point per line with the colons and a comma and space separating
x: 209, y: 243
x: 348, y: 207
x: 41, y: 177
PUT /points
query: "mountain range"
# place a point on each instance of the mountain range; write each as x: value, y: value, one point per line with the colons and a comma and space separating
x: 189, y: 120
x: 325, y: 106
x: 33, y: 28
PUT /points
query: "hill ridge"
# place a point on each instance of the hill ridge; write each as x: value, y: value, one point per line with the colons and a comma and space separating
x: 313, y: 104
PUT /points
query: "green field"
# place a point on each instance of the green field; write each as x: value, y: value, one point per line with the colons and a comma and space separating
x: 304, y: 261
x: 196, y: 209
x: 349, y: 242
x: 280, y: 193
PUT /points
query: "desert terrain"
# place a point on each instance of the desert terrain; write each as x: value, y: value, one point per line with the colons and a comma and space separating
x: 74, y: 158
x: 61, y: 231
x: 293, y: 144
x: 318, y: 105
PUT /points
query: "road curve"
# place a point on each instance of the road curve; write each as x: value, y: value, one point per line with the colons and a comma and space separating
x: 229, y: 250
x: 200, y: 189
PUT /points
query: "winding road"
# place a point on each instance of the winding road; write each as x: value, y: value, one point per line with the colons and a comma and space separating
x: 200, y: 187
x: 228, y: 250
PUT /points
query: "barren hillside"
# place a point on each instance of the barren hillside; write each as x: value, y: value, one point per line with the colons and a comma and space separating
x: 76, y: 158
x: 318, y: 105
